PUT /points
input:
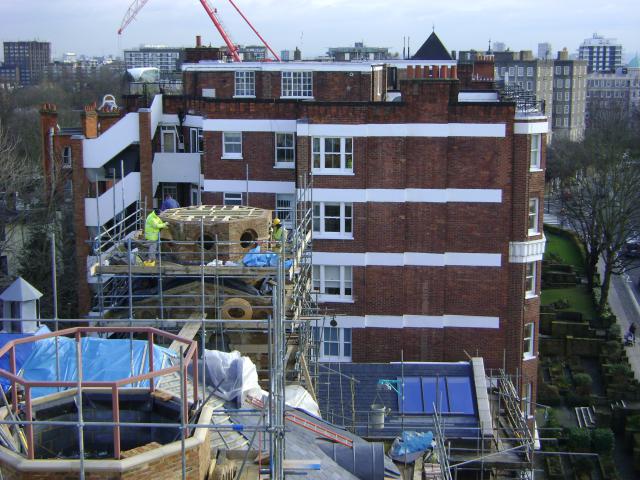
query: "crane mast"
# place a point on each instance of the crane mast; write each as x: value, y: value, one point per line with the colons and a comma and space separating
x: 137, y: 5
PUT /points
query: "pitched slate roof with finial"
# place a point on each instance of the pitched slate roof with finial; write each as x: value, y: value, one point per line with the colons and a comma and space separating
x: 432, y: 49
x: 635, y: 62
x: 20, y: 291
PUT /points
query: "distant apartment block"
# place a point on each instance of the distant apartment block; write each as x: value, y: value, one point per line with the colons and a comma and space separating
x: 358, y: 52
x: 30, y: 57
x: 9, y: 76
x: 166, y: 59
x: 545, y: 51
x: 532, y: 74
x: 601, y: 54
x: 618, y: 91
x: 570, y: 93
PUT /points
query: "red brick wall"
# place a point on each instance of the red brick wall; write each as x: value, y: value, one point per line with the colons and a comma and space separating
x: 327, y: 86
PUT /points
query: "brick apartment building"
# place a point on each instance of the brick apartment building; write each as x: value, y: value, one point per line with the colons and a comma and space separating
x: 427, y: 197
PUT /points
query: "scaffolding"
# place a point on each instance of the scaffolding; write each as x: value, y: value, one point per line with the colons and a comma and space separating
x: 200, y: 290
x: 487, y: 451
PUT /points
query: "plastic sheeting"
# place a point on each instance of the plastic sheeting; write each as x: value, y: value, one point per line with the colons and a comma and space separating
x: 22, y: 352
x: 234, y: 376
x: 296, y: 396
x: 102, y: 360
x: 255, y: 258
x: 410, y: 444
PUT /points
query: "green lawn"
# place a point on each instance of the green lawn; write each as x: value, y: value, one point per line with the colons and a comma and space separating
x: 564, y: 248
x: 578, y: 297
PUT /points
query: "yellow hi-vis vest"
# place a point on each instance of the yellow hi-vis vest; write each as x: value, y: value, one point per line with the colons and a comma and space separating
x: 152, y: 227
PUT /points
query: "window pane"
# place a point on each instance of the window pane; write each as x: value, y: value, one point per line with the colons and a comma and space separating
x: 347, y: 335
x: 429, y: 393
x: 332, y: 210
x: 460, y: 396
x: 412, y: 395
x: 332, y: 225
x: 332, y: 273
x: 332, y: 160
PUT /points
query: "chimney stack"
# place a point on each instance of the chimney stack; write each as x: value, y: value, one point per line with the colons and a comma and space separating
x: 198, y: 41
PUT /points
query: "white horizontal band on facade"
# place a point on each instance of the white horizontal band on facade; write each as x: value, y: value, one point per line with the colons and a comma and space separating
x: 255, y: 186
x: 193, y: 121
x: 409, y: 259
x: 528, y: 128
x: 240, y: 125
x: 438, y: 130
x: 525, y: 252
x: 408, y: 195
x: 417, y: 321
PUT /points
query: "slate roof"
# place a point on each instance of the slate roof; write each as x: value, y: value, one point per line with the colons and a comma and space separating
x: 20, y: 291
x: 335, y: 397
x: 432, y: 49
x: 303, y: 444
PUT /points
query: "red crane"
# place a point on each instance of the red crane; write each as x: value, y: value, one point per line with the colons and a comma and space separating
x: 137, y: 5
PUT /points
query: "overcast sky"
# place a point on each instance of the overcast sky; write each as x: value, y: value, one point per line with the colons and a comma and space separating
x: 90, y: 26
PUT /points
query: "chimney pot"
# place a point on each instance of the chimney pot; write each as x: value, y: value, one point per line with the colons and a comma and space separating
x: 444, y: 72
x: 198, y: 41
x: 418, y: 71
x: 436, y: 71
x: 409, y: 72
x: 454, y: 72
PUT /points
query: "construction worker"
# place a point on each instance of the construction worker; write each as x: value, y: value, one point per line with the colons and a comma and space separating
x: 152, y: 228
x: 278, y: 234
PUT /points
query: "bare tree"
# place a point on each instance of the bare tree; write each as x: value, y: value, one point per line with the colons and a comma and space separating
x: 19, y: 180
x: 619, y: 217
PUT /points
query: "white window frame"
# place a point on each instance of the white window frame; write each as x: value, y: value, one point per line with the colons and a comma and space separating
x: 512, y: 71
x: 164, y: 146
x: 285, y: 208
x: 521, y: 71
x: 559, y: 96
x: 526, y: 400
x: 567, y: 83
x: 530, y: 279
x: 567, y: 69
x: 343, y: 337
x: 566, y: 109
x: 296, y: 84
x: 227, y: 142
x: 320, y: 218
x: 529, y: 85
x: 345, y: 281
x: 534, y: 216
x: 66, y: 157
x: 529, y: 71
x: 318, y: 150
x: 558, y: 70
x: 196, y: 140
x: 292, y: 163
x: 559, y: 83
x: 232, y: 198
x: 528, y: 341
x: 534, y: 152
x: 244, y: 84
x: 567, y: 96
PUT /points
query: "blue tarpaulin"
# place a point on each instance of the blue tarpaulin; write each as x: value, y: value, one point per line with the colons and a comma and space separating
x: 256, y: 258
x: 22, y: 352
x: 102, y: 360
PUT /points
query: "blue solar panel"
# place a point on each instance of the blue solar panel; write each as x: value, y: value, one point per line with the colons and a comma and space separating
x: 442, y: 396
x: 448, y: 394
x: 412, y: 395
x: 460, y: 396
x: 429, y: 393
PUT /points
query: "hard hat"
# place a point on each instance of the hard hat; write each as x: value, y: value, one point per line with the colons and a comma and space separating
x: 276, y: 221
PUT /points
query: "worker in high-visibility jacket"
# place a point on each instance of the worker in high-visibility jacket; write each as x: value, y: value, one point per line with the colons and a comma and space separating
x: 278, y: 235
x: 152, y: 228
